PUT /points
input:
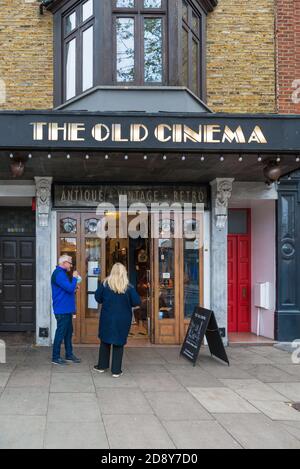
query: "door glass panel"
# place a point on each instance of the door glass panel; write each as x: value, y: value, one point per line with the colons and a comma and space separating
x: 238, y: 222
x: 93, y: 257
x: 153, y: 50
x: 69, y: 246
x: 191, y: 277
x: 125, y: 49
x: 166, y: 279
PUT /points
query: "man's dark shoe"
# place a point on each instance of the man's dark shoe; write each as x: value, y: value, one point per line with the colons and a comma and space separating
x: 73, y: 359
x: 60, y: 362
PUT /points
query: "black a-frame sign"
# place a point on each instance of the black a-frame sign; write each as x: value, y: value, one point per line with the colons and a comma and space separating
x: 203, y: 324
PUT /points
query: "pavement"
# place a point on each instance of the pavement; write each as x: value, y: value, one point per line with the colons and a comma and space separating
x: 161, y: 401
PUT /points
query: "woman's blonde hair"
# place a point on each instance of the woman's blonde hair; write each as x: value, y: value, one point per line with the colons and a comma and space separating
x: 118, y: 280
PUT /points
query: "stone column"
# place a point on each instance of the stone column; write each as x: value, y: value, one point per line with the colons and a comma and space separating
x: 43, y: 260
x: 221, y: 190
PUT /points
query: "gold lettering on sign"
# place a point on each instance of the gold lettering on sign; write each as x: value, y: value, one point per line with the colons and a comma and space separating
x: 117, y: 133
x: 136, y: 133
x: 160, y: 133
x: 257, y: 136
x: 230, y: 136
x: 97, y: 132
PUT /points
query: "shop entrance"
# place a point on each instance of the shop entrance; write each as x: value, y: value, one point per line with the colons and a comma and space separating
x: 166, y: 271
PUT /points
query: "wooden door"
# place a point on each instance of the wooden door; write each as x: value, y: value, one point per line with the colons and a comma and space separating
x: 92, y: 269
x: 177, y: 284
x: 17, y: 284
x: 239, y: 272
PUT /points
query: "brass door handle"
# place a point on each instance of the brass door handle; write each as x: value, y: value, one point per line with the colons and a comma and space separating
x: 244, y: 292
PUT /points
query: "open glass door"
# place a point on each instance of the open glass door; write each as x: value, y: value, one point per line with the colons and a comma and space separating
x: 165, y: 297
x: 92, y: 269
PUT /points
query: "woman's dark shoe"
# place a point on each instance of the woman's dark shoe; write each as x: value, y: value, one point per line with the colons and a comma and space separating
x: 99, y: 370
x: 117, y: 376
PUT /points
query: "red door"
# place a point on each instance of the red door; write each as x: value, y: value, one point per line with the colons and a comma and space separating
x: 239, y: 282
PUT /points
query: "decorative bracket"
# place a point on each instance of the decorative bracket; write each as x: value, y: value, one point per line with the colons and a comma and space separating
x: 223, y: 191
x: 43, y: 199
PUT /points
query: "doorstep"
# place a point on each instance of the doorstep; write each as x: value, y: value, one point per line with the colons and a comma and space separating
x: 248, y: 339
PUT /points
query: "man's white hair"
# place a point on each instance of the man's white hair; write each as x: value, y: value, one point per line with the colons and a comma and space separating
x: 64, y: 258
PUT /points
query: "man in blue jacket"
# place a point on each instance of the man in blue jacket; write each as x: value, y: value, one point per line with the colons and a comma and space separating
x: 64, y: 306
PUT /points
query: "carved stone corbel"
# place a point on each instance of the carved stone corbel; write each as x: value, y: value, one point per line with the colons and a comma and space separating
x: 43, y: 199
x: 222, y: 188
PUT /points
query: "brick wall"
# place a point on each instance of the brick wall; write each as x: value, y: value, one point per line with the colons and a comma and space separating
x: 241, y: 56
x: 288, y: 56
x: 26, y: 77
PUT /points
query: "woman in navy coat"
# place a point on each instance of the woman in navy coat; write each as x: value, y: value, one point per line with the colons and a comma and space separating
x: 118, y: 298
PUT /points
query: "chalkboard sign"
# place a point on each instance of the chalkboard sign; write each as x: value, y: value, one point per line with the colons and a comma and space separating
x: 203, y: 324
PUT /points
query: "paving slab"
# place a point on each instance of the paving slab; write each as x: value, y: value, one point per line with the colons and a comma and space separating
x: 19, y: 432
x: 105, y: 380
x: 196, y: 377
x: 74, y: 435
x: 30, y: 401
x: 4, y: 377
x: 30, y: 376
x: 72, y: 382
x: 257, y: 432
x: 290, y: 391
x: 73, y: 407
x: 292, y: 427
x: 136, y: 432
x: 270, y: 374
x: 277, y: 410
x: 222, y: 400
x: 252, y: 389
x: 176, y: 406
x: 123, y: 401
x: 157, y: 382
x: 200, y: 435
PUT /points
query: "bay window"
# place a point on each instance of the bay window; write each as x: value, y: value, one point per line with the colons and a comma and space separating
x: 129, y: 43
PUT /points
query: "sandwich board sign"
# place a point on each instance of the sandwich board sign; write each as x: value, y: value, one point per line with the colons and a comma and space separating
x: 203, y: 324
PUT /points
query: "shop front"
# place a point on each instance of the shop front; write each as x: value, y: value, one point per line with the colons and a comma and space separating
x: 166, y: 270
x: 189, y: 200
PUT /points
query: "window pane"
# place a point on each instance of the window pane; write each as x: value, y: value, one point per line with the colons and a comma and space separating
x: 185, y: 55
x: 70, y: 23
x: 125, y: 49
x: 153, y: 50
x: 191, y: 277
x: 238, y: 222
x: 166, y: 279
x: 87, y: 59
x: 71, y: 69
x: 125, y: 4
x: 152, y: 3
x: 87, y: 10
x: 195, y: 87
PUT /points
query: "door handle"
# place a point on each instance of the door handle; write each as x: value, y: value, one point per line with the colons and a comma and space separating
x: 244, y: 293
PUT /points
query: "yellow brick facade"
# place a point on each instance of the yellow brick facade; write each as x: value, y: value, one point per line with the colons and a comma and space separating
x: 240, y: 56
x: 26, y: 57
